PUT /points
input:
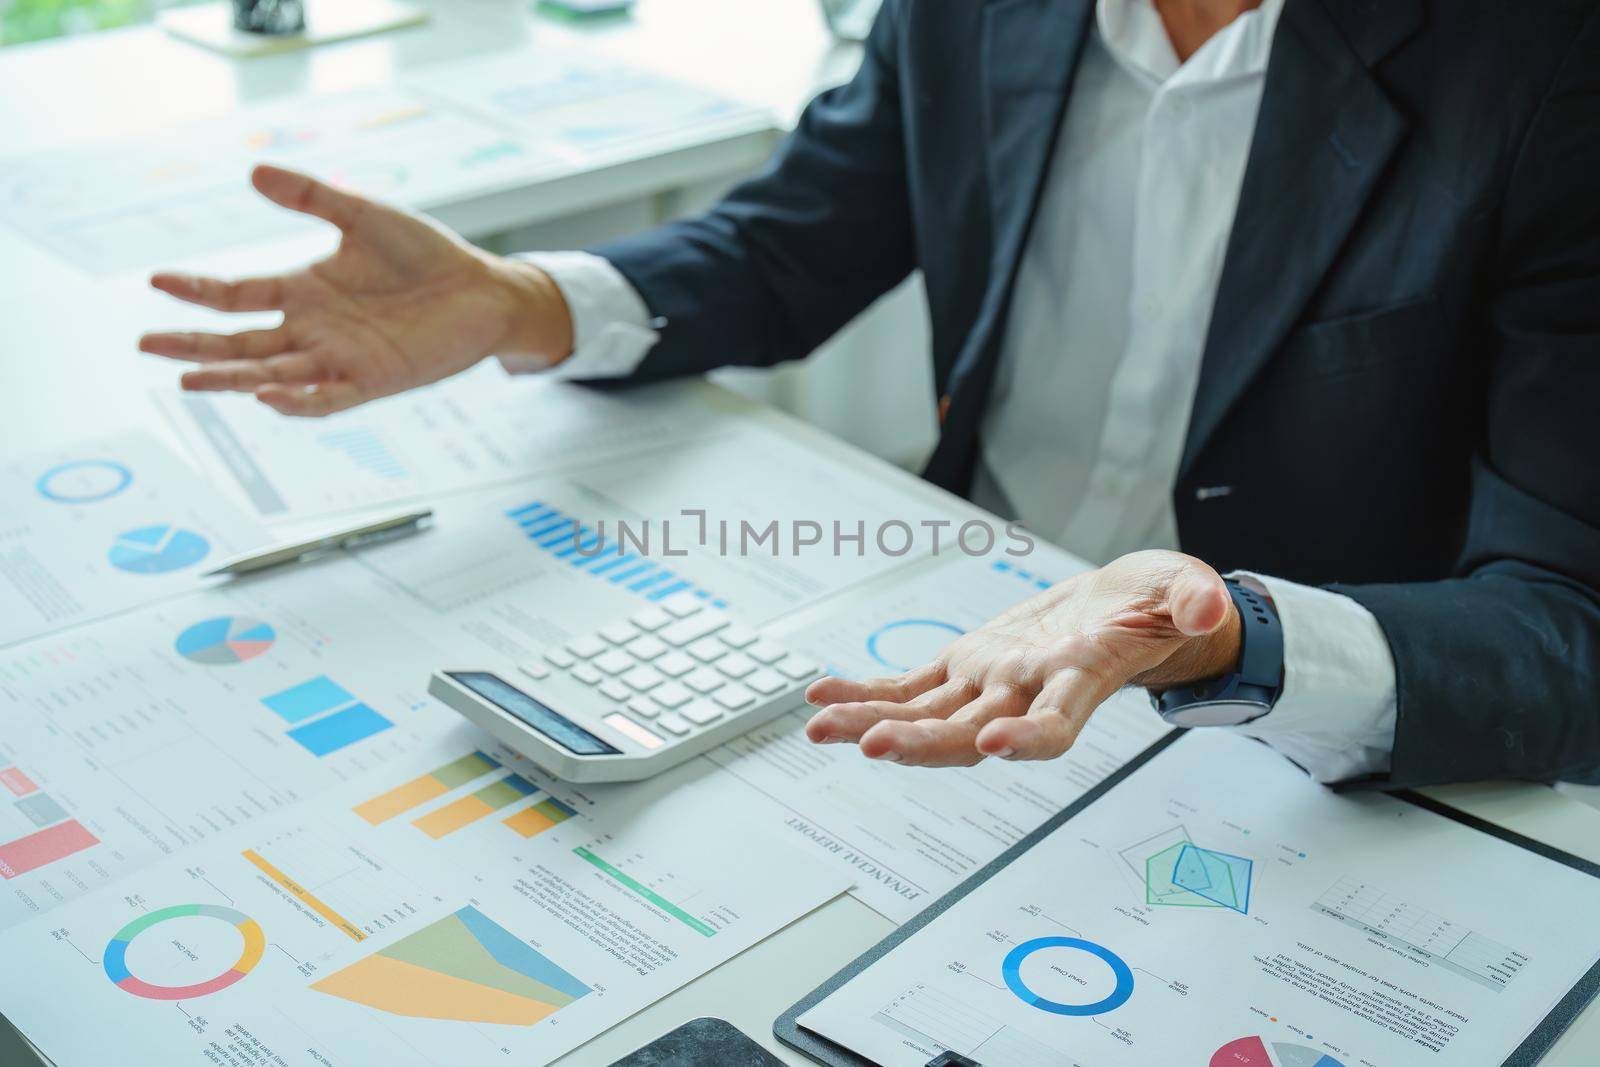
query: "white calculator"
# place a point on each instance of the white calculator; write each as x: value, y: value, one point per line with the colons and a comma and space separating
x: 641, y: 695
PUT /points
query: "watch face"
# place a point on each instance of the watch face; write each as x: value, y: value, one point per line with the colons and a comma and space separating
x: 1217, y: 713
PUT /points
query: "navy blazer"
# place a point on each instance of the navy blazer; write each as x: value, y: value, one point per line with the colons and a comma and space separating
x: 1404, y: 358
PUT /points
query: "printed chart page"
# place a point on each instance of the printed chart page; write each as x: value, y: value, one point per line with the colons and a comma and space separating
x: 587, y: 110
x: 160, y: 199
x: 458, y: 910
x: 127, y: 740
x: 476, y: 429
x: 1218, y: 907
x: 907, y: 835
x: 529, y: 566
x: 102, y: 526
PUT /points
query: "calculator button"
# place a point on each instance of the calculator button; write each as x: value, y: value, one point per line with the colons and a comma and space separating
x: 615, y: 690
x: 707, y: 649
x: 560, y: 657
x: 703, y: 680
x: 674, y: 664
x: 674, y: 724
x: 583, y: 672
x: 671, y: 695
x: 620, y: 633
x: 766, y: 651
x: 534, y: 669
x: 736, y: 665
x: 733, y: 697
x: 681, y: 605
x: 766, y: 682
x: 651, y: 619
x: 642, y: 678
x: 645, y: 647
x: 644, y: 706
x: 797, y: 667
x: 585, y: 647
x: 701, y: 712
x: 614, y: 662
x: 687, y: 631
x: 738, y: 635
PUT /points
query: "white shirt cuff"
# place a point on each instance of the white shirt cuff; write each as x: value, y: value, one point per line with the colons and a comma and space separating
x: 611, y: 327
x: 1336, y: 714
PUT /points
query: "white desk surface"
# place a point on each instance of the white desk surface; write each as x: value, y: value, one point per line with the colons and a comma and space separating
x: 68, y: 366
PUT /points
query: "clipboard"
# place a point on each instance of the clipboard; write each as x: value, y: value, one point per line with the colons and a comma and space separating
x: 786, y: 1028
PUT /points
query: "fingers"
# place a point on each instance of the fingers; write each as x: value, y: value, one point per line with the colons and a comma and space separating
x: 207, y: 347
x: 246, y: 376
x: 832, y: 690
x: 248, y: 294
x: 311, y: 401
x: 303, y: 193
x: 1053, y: 721
x: 849, y: 720
x: 950, y: 742
x: 1197, y: 599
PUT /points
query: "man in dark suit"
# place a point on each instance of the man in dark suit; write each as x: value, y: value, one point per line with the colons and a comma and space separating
x: 1320, y: 277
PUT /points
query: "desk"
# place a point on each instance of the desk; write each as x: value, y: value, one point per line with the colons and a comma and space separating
x: 69, y: 368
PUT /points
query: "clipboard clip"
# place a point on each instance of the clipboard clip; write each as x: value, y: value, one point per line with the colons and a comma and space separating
x: 952, y: 1059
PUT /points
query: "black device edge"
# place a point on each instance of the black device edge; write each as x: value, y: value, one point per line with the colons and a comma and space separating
x: 786, y: 1027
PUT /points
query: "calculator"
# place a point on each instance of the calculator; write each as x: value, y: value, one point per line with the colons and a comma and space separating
x: 638, y: 696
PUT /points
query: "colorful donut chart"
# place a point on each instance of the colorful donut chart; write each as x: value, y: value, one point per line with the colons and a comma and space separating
x: 116, y: 955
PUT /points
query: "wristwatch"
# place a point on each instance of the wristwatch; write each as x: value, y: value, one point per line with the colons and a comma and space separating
x: 1247, y: 693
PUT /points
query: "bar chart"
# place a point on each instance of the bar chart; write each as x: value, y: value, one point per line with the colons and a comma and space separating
x: 55, y: 834
x: 491, y: 797
x: 605, y: 557
x: 324, y: 716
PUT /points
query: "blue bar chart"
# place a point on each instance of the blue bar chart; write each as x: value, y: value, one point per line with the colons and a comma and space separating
x: 588, y: 549
x: 324, y: 716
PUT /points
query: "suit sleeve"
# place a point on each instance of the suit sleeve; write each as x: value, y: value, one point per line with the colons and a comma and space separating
x: 1498, y: 669
x: 790, y: 256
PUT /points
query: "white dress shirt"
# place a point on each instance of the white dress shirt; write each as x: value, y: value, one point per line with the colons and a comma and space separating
x: 1101, y: 355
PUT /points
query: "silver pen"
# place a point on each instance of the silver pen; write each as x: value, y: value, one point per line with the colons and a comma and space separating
x: 356, y: 537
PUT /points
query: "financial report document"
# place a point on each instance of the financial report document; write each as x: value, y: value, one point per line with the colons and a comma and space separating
x: 1218, y: 907
x: 457, y: 907
x: 473, y: 430
x: 102, y: 526
x: 907, y: 835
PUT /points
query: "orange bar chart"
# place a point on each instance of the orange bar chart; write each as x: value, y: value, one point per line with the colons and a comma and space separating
x: 418, y: 791
x: 469, y: 809
x: 530, y: 822
x: 304, y: 895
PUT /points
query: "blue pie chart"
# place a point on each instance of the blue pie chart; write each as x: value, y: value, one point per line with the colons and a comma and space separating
x: 158, y: 549
x: 1121, y: 973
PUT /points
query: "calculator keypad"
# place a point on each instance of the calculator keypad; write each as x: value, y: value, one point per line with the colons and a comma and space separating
x: 676, y: 667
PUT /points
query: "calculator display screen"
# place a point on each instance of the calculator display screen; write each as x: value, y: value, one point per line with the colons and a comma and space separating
x: 549, y: 722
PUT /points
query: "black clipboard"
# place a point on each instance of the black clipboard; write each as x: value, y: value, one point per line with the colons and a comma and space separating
x: 786, y: 1027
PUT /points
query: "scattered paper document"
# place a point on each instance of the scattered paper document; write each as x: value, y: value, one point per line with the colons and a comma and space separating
x: 907, y: 835
x: 461, y: 909
x: 476, y: 429
x: 1216, y: 904
x: 102, y: 526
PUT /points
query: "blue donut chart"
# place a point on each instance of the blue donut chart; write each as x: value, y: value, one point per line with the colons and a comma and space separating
x: 877, y: 653
x: 1011, y: 970
x: 97, y: 478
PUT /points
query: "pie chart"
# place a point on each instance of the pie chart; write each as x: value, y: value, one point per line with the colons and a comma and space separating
x: 904, y: 643
x: 1252, y: 1052
x: 225, y: 639
x: 158, y: 549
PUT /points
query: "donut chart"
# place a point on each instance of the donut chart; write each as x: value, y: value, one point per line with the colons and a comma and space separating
x: 1011, y: 970
x: 116, y: 954
x: 905, y: 643
x: 83, y: 481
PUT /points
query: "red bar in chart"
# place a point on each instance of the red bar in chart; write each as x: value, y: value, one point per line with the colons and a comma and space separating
x: 45, y: 847
x: 13, y: 779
